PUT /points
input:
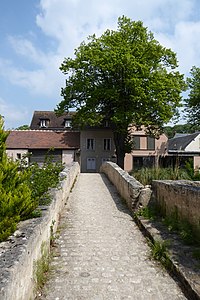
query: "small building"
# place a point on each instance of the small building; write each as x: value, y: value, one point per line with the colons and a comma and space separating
x: 37, y: 144
x: 183, y: 147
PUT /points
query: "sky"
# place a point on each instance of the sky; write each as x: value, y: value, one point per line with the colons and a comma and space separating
x: 36, y: 36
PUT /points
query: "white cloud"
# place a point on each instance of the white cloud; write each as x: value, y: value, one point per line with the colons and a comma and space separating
x: 187, y: 44
x: 44, y: 80
x: 70, y: 22
x: 25, y: 48
x: 12, y: 113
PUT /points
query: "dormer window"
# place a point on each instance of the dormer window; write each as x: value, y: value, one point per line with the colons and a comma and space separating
x: 68, y: 123
x: 44, y: 123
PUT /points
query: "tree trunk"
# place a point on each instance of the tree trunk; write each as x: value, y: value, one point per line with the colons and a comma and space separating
x: 119, y: 139
x: 120, y: 160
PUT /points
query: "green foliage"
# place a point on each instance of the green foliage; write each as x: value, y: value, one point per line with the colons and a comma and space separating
x: 147, y: 175
x: 42, y: 267
x: 159, y: 252
x: 3, y: 137
x: 182, y: 227
x: 148, y: 212
x: 23, y: 127
x: 194, y: 174
x: 22, y: 188
x: 180, y: 128
x: 43, y: 178
x: 16, y: 202
x: 193, y: 101
x: 125, y: 76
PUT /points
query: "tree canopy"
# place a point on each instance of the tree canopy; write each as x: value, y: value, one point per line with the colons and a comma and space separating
x: 23, y: 127
x: 180, y: 128
x: 193, y: 101
x: 126, y: 77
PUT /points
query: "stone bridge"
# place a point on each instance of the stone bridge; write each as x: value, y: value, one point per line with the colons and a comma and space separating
x: 100, y: 253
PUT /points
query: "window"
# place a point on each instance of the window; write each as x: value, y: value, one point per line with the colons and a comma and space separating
x: 90, y: 144
x: 68, y: 123
x: 19, y: 156
x: 150, y: 143
x: 137, y: 162
x: 136, y: 142
x: 107, y: 144
x: 44, y: 123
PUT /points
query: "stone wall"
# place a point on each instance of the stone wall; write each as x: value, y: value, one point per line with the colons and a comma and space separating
x: 131, y: 190
x: 181, y: 197
x: 18, y: 255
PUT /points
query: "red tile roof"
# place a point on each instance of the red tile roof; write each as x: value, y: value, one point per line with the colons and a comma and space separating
x: 39, y: 139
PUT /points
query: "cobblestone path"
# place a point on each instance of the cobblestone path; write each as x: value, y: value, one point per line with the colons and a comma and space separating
x: 101, y: 253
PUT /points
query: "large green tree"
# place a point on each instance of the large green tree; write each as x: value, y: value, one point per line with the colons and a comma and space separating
x: 193, y: 101
x: 126, y: 77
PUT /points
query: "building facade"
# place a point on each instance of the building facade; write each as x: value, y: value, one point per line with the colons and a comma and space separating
x: 54, y: 135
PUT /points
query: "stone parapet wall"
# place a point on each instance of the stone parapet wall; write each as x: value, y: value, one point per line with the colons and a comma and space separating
x: 18, y: 255
x: 131, y: 190
x: 181, y: 197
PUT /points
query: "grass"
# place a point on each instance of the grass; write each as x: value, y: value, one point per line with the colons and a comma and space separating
x: 159, y: 252
x: 42, y: 268
x: 147, y: 175
x: 148, y: 212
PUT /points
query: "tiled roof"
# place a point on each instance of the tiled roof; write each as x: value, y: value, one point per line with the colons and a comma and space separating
x: 43, y: 139
x: 180, y: 143
x: 55, y: 121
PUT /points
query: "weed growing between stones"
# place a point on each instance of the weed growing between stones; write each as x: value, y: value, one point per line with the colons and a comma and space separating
x: 73, y: 184
x: 53, y: 236
x: 148, y: 212
x: 42, y: 268
x: 159, y: 252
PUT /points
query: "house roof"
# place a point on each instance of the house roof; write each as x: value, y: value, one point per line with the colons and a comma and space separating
x: 43, y: 139
x: 181, y: 142
x: 56, y: 122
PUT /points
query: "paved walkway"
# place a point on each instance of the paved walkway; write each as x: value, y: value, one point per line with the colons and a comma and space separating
x: 101, y: 253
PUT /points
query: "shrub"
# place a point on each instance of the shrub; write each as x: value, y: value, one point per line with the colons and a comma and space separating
x: 44, y: 177
x: 16, y: 202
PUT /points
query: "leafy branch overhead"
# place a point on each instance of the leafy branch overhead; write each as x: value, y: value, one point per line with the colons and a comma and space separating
x: 193, y: 101
x: 124, y: 76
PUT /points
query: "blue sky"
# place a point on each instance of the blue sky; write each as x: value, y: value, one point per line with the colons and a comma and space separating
x: 36, y: 35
